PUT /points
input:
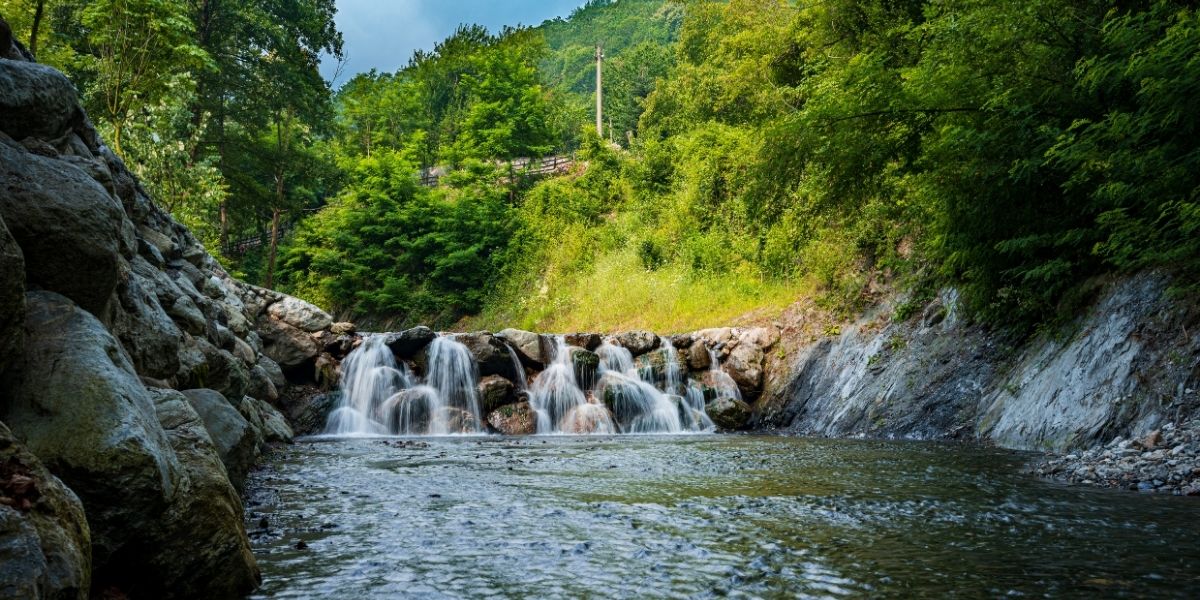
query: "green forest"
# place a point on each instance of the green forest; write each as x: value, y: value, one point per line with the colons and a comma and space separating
x: 753, y: 153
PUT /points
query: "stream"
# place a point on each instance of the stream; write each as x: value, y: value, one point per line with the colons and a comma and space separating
x: 698, y: 516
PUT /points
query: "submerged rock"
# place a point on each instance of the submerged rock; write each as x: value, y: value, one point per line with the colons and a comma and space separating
x: 514, y: 419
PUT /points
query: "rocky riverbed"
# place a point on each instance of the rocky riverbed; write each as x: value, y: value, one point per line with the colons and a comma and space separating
x: 1166, y: 460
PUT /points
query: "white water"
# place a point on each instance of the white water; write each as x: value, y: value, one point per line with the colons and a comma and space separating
x: 559, y: 401
x: 381, y: 397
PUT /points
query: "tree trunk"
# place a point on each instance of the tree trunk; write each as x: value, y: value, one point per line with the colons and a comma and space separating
x: 274, y: 245
x: 37, y: 24
x: 224, y: 225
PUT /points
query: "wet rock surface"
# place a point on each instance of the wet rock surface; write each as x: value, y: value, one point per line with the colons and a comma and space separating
x: 1166, y: 460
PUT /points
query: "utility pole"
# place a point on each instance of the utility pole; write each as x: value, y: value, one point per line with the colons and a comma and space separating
x: 599, y: 90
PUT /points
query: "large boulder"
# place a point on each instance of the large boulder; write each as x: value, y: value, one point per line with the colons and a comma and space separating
x: 68, y: 226
x: 77, y: 404
x: 12, y: 295
x: 236, y: 442
x: 36, y: 101
x: 146, y: 330
x: 745, y: 366
x: 272, y: 426
x: 489, y: 352
x: 300, y: 314
x: 698, y: 356
x: 203, y: 365
x: 45, y: 543
x: 205, y: 524
x: 728, y: 412
x: 637, y: 342
x: 494, y: 392
x: 288, y: 346
x: 530, y: 347
x: 514, y: 419
x: 409, y: 343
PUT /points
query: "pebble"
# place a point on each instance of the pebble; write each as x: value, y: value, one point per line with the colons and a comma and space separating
x: 1166, y: 460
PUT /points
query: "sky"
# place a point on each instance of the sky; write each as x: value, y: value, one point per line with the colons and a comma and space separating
x: 382, y: 34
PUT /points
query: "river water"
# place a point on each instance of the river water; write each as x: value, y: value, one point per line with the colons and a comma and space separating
x: 701, y: 516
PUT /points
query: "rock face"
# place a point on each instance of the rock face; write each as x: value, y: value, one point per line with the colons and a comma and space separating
x: 407, y: 344
x: 45, y: 543
x: 300, y: 314
x: 127, y: 298
x: 530, y: 347
x: 1122, y: 369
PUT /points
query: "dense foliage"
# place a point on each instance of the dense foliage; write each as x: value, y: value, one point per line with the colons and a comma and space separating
x: 765, y: 150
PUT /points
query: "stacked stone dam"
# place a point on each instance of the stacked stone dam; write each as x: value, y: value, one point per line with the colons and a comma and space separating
x: 137, y: 378
x: 511, y: 372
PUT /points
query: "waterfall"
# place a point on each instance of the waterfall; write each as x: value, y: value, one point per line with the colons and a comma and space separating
x: 370, y: 376
x: 559, y: 402
x: 721, y: 380
x: 455, y: 376
x: 522, y: 385
x: 381, y: 397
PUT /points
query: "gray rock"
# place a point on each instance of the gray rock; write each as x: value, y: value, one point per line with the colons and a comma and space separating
x: 67, y: 225
x: 587, y: 341
x: 201, y: 544
x: 286, y: 345
x: 145, y: 330
x: 78, y: 405
x: 410, y: 342
x: 698, y: 358
x: 12, y: 295
x: 261, y: 386
x: 274, y: 373
x: 236, y: 442
x: 637, y: 342
x: 271, y: 425
x: 36, y: 101
x: 342, y: 328
x: 745, y: 366
x: 530, y: 347
x: 300, y: 314
x: 203, y: 365
x: 45, y: 543
x: 490, y: 353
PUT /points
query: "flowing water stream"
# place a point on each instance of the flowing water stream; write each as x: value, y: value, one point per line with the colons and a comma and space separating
x: 701, y: 516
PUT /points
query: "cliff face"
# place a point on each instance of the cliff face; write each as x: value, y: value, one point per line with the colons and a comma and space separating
x: 109, y: 309
x: 1130, y: 364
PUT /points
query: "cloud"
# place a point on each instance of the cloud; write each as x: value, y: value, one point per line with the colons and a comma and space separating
x: 382, y: 35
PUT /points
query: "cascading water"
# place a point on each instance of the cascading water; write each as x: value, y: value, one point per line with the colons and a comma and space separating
x: 560, y: 404
x: 370, y: 377
x: 522, y: 385
x: 637, y: 405
x: 379, y: 396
